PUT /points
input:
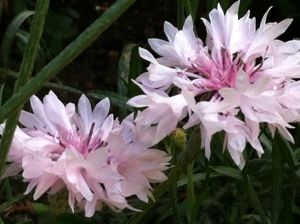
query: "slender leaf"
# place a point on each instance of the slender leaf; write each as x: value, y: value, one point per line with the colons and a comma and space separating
x: 1, y: 93
x: 180, y: 13
x: 265, y: 141
x: 40, y: 60
x: 190, y: 194
x: 211, y: 4
x: 130, y: 65
x: 287, y: 209
x: 244, y: 6
x: 198, y: 177
x: 194, y: 7
x: 254, y: 199
x: 296, y: 209
x: 277, y: 179
x: 228, y: 171
x: 10, y: 34
x: 287, y: 153
x: 134, y: 71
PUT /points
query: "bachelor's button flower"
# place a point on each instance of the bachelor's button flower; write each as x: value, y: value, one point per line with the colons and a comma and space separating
x: 241, y: 73
x: 85, y: 151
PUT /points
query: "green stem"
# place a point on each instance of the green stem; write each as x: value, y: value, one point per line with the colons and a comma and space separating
x: 174, y: 202
x: 26, y: 69
x: 65, y: 57
x: 175, y: 152
x: 187, y: 156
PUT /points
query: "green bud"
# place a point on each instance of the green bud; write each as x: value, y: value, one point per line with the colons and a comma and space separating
x: 178, y: 138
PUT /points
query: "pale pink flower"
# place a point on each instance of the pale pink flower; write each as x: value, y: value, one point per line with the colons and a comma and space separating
x: 85, y: 151
x: 161, y: 109
x: 241, y: 69
x: 182, y: 48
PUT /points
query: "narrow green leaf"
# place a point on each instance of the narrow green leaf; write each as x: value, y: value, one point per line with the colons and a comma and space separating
x: 1, y: 93
x: 130, y: 66
x: 253, y: 217
x: 188, y: 8
x: 134, y: 71
x: 296, y: 209
x: 265, y: 141
x: 65, y: 57
x: 244, y: 7
x: 287, y: 212
x: 254, y: 199
x: 190, y: 194
x: 198, y: 177
x: 180, y: 13
x: 277, y: 179
x: 211, y: 5
x: 10, y: 34
x: 228, y: 171
x: 40, y: 60
x: 194, y: 7
x: 297, y: 154
x: 287, y: 152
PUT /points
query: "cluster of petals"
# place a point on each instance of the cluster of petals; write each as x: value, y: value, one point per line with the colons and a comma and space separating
x: 241, y: 77
x: 96, y: 158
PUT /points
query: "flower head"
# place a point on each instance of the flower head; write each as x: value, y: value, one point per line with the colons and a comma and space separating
x: 239, y: 78
x: 97, y: 159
